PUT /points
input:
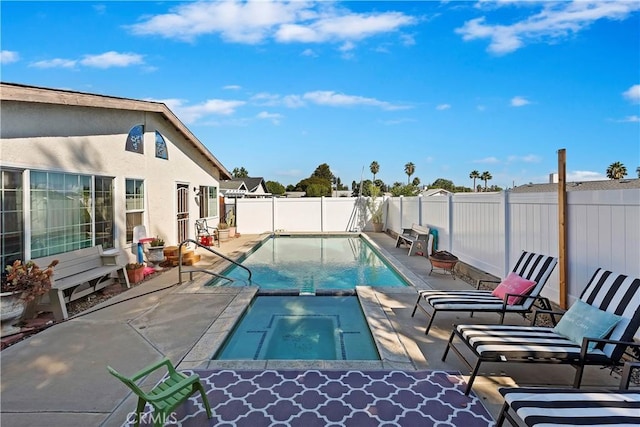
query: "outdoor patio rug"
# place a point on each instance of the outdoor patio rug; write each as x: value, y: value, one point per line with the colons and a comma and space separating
x: 333, y: 398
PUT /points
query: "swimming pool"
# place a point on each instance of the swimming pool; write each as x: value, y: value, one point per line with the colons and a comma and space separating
x: 301, y: 328
x: 311, y: 263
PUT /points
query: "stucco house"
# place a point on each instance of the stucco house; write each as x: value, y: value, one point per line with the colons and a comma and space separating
x: 80, y: 169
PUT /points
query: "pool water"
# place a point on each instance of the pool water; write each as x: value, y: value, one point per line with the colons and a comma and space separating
x: 301, y: 328
x: 312, y: 263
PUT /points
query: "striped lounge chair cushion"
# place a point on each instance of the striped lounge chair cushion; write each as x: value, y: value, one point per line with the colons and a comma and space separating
x: 530, y: 266
x: 614, y: 293
x: 462, y: 300
x: 542, y: 407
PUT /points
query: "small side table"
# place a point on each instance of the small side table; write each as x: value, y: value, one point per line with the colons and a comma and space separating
x: 445, y: 261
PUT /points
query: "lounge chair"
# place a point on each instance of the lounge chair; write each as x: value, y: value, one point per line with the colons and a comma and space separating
x: 538, y: 406
x: 174, y: 389
x: 204, y: 232
x: 530, y: 266
x: 579, y: 339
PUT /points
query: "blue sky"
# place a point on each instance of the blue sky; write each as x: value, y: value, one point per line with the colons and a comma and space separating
x: 281, y: 87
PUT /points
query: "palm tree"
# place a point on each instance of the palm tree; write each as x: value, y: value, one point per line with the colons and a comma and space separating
x: 409, y: 169
x: 474, y: 175
x: 616, y: 171
x: 486, y: 176
x: 416, y: 181
x: 374, y: 167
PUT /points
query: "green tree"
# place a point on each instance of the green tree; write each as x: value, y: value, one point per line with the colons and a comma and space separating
x: 416, y: 181
x: 374, y: 167
x: 616, y: 171
x: 275, y: 187
x: 321, y: 186
x: 486, y: 176
x: 445, y: 184
x: 291, y: 187
x: 240, y: 173
x: 398, y: 189
x: 323, y: 171
x: 317, y: 190
x: 409, y: 169
x: 474, y: 175
x: 380, y: 184
x: 638, y: 171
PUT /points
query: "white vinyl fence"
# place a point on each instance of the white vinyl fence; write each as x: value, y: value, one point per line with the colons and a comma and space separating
x: 485, y: 230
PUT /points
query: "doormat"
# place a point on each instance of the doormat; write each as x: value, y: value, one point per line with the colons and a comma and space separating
x: 313, y: 398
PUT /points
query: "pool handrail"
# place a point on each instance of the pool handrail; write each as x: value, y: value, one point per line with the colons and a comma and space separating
x: 204, y: 270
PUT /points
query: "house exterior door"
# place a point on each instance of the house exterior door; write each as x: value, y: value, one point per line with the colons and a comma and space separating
x: 182, y: 214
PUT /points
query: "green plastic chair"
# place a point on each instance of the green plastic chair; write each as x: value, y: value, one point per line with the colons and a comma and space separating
x: 166, y: 396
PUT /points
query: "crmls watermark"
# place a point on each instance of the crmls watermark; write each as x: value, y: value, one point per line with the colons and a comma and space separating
x: 152, y: 418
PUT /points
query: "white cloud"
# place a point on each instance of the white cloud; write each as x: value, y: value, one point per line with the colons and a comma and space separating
x: 274, y: 117
x: 103, y: 60
x: 489, y: 160
x: 293, y: 101
x: 443, y: 107
x: 397, y: 121
x: 232, y: 87
x: 112, y: 59
x: 309, y: 52
x: 556, y: 20
x: 333, y: 99
x: 577, y: 176
x: 529, y: 158
x: 630, y: 119
x: 8, y: 56
x: 190, y: 114
x: 55, y: 63
x: 321, y: 97
x: 519, y: 101
x: 632, y: 94
x: 255, y: 22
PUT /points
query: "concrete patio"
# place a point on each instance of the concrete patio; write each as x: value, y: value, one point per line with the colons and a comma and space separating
x: 58, y: 377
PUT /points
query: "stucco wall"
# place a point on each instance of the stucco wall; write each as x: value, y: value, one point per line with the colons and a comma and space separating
x: 83, y: 140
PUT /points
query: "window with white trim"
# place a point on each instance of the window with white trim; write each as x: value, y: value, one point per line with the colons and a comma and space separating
x: 134, y: 205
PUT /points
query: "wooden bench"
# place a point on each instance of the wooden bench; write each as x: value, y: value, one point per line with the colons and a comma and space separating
x: 417, y: 237
x: 79, y: 273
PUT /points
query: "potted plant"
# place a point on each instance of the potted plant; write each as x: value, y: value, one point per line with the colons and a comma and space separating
x: 375, y: 208
x: 135, y: 272
x: 231, y: 222
x: 155, y: 253
x: 223, y: 231
x: 24, y: 283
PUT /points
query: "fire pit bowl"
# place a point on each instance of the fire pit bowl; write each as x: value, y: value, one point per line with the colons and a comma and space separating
x: 443, y: 260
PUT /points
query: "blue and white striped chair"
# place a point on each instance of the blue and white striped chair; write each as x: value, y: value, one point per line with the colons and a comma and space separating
x: 539, y: 406
x: 530, y: 266
x: 610, y: 292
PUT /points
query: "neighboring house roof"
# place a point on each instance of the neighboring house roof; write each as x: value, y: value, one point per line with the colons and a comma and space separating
x: 233, y: 187
x: 610, y: 184
x: 244, y: 186
x: 435, y: 192
x: 34, y: 94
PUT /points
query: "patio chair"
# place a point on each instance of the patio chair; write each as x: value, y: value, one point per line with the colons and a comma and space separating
x: 539, y: 406
x: 523, y: 285
x: 597, y: 330
x: 174, y: 389
x: 204, y: 230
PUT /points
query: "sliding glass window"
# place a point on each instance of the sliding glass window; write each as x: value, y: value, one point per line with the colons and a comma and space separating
x: 60, y: 213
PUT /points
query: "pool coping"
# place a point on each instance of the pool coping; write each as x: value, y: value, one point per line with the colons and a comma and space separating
x: 393, y: 353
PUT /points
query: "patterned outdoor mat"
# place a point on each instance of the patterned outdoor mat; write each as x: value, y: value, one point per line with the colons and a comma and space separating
x: 333, y: 398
